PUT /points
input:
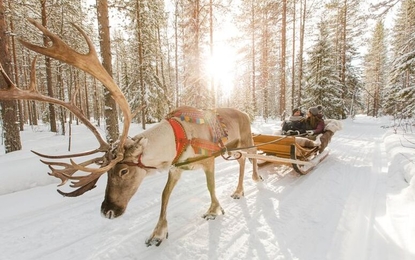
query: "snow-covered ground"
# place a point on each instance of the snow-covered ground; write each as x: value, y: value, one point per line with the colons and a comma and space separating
x: 355, y: 205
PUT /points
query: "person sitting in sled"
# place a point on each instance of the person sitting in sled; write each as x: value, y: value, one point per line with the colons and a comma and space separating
x: 295, y: 125
x: 314, y: 123
x: 330, y: 126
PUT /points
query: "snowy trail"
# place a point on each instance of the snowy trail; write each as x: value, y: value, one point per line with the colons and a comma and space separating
x: 341, y: 210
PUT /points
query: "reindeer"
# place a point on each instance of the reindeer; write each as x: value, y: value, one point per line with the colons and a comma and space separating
x: 169, y: 145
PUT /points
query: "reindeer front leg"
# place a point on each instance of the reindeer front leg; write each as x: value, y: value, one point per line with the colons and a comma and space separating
x: 215, y: 208
x: 161, y: 231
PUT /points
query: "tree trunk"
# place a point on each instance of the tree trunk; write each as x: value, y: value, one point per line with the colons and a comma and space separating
x: 97, y: 104
x: 303, y: 12
x: 86, y: 93
x: 212, y: 79
x: 61, y: 95
x: 197, y: 52
x: 16, y: 78
x: 8, y: 108
x: 140, y: 62
x: 283, y: 54
x: 176, y: 53
x: 110, y: 112
x: 253, y: 57
x: 343, y: 44
x: 52, y: 116
x: 293, y: 105
x: 264, y: 66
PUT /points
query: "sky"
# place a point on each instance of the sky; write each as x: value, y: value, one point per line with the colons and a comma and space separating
x: 358, y: 203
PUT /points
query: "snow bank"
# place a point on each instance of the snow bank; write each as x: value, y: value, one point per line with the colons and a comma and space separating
x: 401, y: 149
x: 22, y: 170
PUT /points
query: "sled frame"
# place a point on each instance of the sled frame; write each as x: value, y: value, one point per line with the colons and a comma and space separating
x: 284, y: 150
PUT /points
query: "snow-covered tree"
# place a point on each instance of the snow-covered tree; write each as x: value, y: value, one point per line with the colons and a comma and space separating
x: 346, y: 25
x: 322, y: 82
x: 402, y: 85
x: 375, y: 71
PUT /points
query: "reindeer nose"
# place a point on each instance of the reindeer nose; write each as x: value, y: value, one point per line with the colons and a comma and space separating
x: 110, y: 210
x: 110, y: 214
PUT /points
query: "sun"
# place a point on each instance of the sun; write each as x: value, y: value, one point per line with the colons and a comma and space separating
x: 221, y: 68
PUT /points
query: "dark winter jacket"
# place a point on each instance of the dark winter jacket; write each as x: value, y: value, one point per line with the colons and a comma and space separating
x: 295, y: 124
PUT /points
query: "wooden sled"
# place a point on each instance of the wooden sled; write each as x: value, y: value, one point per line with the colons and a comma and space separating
x: 282, y: 149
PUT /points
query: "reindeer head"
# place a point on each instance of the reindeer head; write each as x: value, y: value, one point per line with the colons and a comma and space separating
x: 123, y: 179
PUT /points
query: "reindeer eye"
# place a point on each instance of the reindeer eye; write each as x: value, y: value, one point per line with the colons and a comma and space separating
x: 124, y: 172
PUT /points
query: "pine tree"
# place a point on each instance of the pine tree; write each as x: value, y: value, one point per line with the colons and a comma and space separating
x: 142, y: 60
x: 401, y: 89
x: 194, y: 34
x: 346, y: 26
x: 375, y: 70
x: 323, y: 83
x: 261, y: 57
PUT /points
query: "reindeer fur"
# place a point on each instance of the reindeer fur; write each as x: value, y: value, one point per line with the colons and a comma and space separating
x: 157, y: 147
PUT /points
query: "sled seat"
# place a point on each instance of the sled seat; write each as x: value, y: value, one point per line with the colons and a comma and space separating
x: 283, y: 146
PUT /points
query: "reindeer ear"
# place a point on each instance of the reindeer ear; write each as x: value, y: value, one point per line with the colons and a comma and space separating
x: 142, y: 141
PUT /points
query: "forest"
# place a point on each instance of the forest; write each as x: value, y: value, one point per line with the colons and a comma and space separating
x: 264, y: 57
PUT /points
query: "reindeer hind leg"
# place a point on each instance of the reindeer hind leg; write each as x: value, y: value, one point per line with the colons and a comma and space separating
x: 239, y: 192
x: 255, y: 175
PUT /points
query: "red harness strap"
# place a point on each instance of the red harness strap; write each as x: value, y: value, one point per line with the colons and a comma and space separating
x: 139, y: 164
x: 205, y: 147
x: 180, y: 137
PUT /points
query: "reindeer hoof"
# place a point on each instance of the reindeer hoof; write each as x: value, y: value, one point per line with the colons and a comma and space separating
x: 155, y: 241
x: 237, y: 195
x: 212, y: 216
x: 257, y: 178
x: 209, y: 216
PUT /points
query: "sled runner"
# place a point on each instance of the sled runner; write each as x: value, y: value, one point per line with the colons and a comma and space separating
x: 298, y: 152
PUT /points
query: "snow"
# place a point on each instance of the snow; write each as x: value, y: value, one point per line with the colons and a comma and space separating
x: 359, y: 203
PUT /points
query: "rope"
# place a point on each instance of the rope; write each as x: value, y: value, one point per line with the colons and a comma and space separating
x: 223, y: 151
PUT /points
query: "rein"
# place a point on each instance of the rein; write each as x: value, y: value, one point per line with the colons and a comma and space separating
x: 139, y: 164
x: 183, y: 143
x: 223, y: 151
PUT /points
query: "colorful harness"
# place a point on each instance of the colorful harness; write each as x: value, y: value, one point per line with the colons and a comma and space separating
x: 204, y: 147
x: 200, y: 146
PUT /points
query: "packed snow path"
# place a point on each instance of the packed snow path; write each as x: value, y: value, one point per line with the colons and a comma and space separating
x: 347, y: 208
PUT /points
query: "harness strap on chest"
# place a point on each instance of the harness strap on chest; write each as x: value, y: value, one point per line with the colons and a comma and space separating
x: 180, y: 137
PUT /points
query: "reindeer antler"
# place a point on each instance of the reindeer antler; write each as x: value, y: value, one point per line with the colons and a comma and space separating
x: 89, y: 63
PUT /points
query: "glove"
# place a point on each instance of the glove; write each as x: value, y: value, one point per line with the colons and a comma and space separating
x: 310, y: 132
